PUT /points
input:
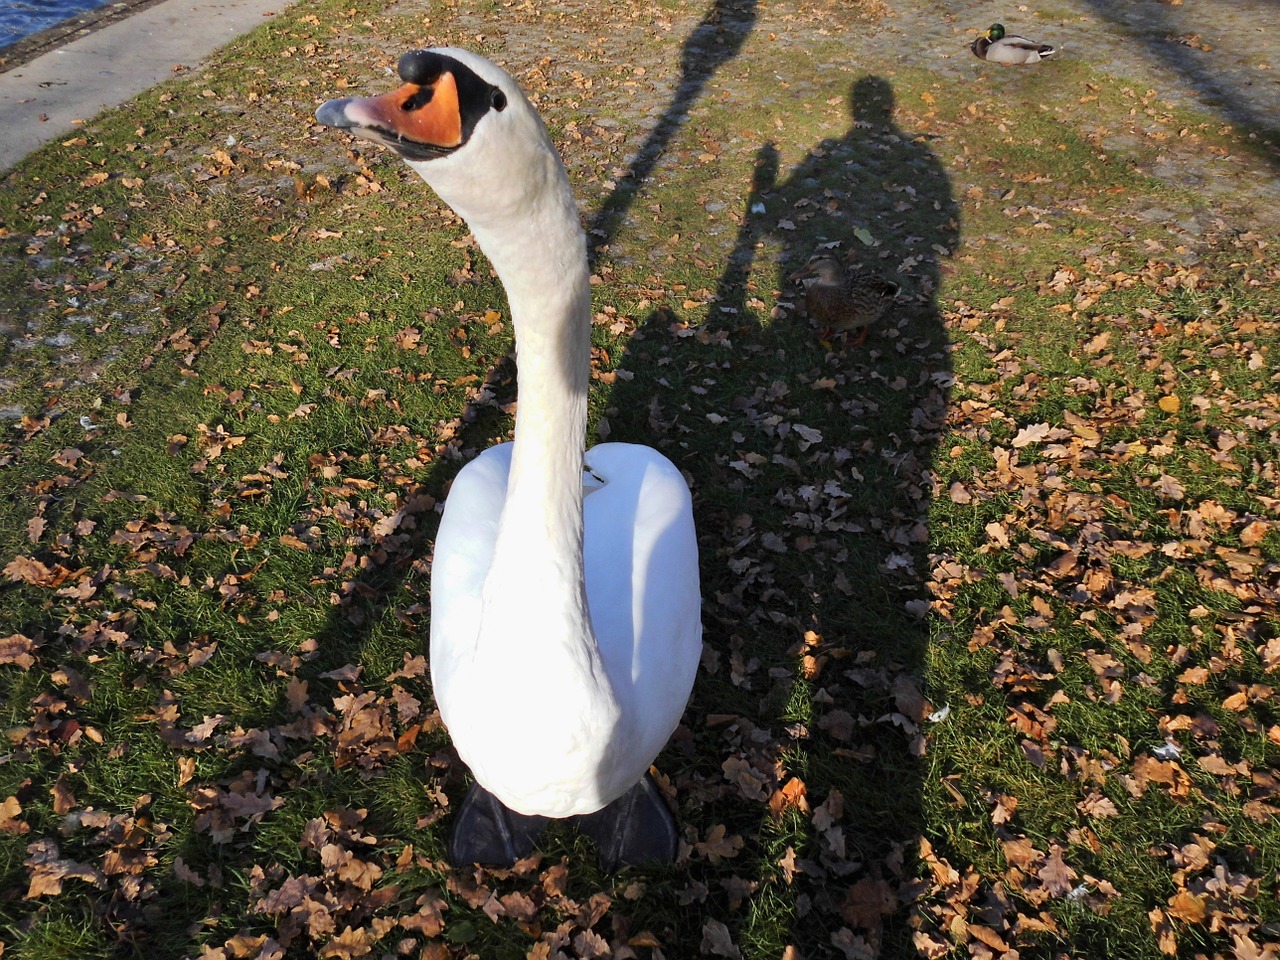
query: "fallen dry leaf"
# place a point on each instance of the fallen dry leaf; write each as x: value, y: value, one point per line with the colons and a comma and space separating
x: 10, y: 810
x: 49, y: 870
x: 16, y: 648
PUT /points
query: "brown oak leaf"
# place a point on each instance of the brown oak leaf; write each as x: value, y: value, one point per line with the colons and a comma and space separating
x: 17, y: 648
x: 868, y: 902
x: 49, y: 870
x: 1056, y: 875
x: 716, y: 940
x: 718, y: 846
x: 10, y: 809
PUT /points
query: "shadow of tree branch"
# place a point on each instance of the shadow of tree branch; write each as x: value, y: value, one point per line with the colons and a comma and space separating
x: 714, y: 42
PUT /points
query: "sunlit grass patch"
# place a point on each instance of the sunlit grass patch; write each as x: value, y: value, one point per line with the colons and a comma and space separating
x: 989, y: 601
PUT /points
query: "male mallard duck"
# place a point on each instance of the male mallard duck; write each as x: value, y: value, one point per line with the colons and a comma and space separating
x: 565, y: 608
x: 842, y: 301
x: 998, y: 48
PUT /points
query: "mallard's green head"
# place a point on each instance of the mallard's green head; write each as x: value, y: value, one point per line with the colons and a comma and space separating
x: 996, y: 32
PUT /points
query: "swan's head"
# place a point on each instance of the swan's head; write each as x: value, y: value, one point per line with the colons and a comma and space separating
x: 461, y: 122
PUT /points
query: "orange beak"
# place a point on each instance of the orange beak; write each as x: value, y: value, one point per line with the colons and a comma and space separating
x: 418, y: 121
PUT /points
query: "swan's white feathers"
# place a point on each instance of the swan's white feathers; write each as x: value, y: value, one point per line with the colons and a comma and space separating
x: 463, y: 551
x: 645, y: 601
x: 522, y: 723
x: 565, y: 632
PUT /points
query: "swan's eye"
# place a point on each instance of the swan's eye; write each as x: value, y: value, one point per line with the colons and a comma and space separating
x: 419, y: 99
x: 499, y: 100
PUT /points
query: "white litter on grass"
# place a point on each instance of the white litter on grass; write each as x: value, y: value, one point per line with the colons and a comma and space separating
x: 1170, y: 751
x: 939, y: 715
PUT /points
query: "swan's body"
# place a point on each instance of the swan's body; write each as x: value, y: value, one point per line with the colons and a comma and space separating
x: 998, y: 47
x: 565, y: 627
x: 560, y: 710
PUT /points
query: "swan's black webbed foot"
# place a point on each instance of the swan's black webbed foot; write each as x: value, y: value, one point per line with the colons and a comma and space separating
x: 490, y: 833
x: 634, y: 829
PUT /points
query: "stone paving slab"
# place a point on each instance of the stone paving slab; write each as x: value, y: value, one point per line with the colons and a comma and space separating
x: 42, y: 100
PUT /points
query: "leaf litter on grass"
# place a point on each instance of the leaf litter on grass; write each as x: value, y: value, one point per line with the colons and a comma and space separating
x: 219, y: 726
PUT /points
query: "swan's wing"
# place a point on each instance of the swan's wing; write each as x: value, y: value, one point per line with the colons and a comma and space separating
x: 1018, y: 50
x: 641, y: 558
x: 463, y: 553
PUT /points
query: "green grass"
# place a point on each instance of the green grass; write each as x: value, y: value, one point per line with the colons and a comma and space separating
x: 280, y: 342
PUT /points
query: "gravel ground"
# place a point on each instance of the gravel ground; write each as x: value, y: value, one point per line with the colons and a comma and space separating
x: 1218, y: 56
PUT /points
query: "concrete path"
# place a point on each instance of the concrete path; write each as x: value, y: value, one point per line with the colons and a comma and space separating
x: 40, y: 100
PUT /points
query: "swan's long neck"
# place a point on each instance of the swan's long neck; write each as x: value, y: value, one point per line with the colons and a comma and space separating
x: 542, y: 265
x: 528, y: 227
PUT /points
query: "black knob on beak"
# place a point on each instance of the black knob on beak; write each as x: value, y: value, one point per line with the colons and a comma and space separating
x: 422, y: 67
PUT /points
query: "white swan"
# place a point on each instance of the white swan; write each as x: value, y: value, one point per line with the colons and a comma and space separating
x: 565, y: 607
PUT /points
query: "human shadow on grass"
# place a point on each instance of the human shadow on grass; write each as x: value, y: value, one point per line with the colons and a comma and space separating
x: 810, y: 468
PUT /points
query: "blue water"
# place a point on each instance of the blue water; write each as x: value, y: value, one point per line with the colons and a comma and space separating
x: 21, y: 18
